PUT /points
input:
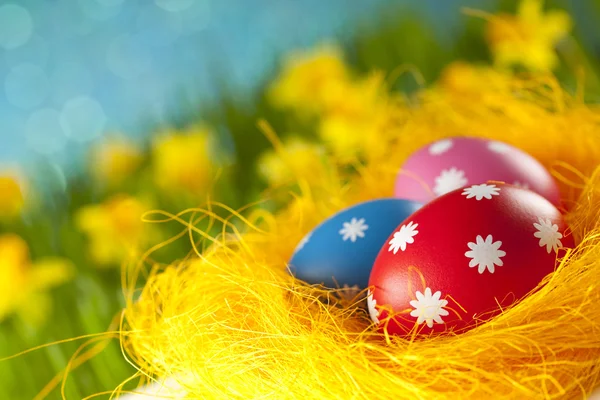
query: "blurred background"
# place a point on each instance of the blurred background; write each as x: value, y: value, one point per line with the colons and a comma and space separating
x: 112, y: 108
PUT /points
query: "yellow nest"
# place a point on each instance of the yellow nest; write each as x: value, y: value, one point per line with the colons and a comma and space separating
x: 234, y: 324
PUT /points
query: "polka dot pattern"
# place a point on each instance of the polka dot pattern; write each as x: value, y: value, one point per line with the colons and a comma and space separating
x: 83, y: 119
x: 16, y: 26
x: 26, y: 86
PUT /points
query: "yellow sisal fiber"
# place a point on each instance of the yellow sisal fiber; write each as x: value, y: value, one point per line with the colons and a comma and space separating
x: 233, y: 324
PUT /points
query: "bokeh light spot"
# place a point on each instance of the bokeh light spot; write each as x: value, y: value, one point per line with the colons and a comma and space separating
x: 83, y: 119
x: 100, y: 10
x: 68, y: 80
x: 16, y: 26
x: 110, y: 3
x: 71, y: 20
x: 196, y: 18
x: 44, y: 132
x: 26, y: 86
x: 159, y: 28
x: 35, y: 51
x: 175, y: 5
x: 12, y: 125
x: 125, y: 57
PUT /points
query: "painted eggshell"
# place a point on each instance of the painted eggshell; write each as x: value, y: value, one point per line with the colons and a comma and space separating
x: 452, y: 163
x: 451, y: 264
x: 342, y: 249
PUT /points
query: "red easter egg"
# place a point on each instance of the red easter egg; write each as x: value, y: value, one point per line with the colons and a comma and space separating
x: 458, y: 260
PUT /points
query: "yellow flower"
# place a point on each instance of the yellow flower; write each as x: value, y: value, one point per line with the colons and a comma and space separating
x: 182, y: 163
x: 114, y: 229
x: 308, y: 79
x: 528, y: 38
x: 356, y: 117
x: 463, y: 84
x: 12, y: 198
x: 463, y: 78
x: 114, y: 160
x: 352, y: 113
x: 24, y: 283
x: 298, y: 159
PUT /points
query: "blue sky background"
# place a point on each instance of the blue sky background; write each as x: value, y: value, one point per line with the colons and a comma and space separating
x: 72, y: 70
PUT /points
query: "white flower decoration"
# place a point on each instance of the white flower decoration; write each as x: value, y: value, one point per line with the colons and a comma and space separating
x: 481, y: 191
x: 548, y: 234
x: 373, y: 312
x: 429, y: 308
x: 354, y: 229
x: 440, y: 147
x: 303, y: 242
x: 521, y: 185
x: 403, y: 237
x: 485, y: 254
x: 449, y: 180
x: 498, y: 147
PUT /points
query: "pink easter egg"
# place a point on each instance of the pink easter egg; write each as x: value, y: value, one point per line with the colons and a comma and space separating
x: 453, y: 163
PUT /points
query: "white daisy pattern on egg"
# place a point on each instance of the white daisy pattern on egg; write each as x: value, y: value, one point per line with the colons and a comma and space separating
x: 371, y: 305
x: 440, y: 147
x: 498, y: 147
x: 303, y: 242
x: 354, y: 229
x: 429, y: 308
x: 485, y: 254
x: 403, y: 237
x: 521, y: 185
x: 548, y: 234
x: 480, y: 192
x: 449, y: 180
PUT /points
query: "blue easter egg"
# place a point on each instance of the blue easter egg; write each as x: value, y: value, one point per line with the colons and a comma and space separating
x: 342, y: 249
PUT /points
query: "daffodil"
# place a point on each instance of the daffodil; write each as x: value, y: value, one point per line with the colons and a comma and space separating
x: 351, y: 112
x: 297, y: 159
x: 462, y: 84
x: 464, y: 78
x: 529, y: 37
x: 308, y: 79
x: 24, y: 283
x: 12, y: 198
x: 355, y: 118
x: 114, y: 229
x: 478, y: 83
x: 114, y: 160
x: 182, y: 162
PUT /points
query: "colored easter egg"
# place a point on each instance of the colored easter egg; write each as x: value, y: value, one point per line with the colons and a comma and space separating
x: 342, y: 249
x: 452, y: 163
x: 454, y: 263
